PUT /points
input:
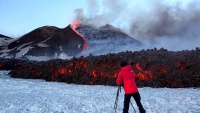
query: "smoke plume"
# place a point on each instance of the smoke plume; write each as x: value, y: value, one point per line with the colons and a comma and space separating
x: 155, y: 23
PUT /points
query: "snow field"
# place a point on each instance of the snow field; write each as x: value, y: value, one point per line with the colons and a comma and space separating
x: 39, y: 96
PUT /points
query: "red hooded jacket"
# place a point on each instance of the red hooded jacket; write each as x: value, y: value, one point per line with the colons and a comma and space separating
x: 126, y: 77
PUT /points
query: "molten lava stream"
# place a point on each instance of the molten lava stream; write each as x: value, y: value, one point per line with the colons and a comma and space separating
x: 74, y: 25
x: 63, y: 71
x: 94, y: 73
x: 143, y: 74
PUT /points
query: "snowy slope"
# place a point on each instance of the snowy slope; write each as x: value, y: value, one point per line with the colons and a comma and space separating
x: 107, y: 39
x: 47, y: 41
x: 38, y: 96
x: 3, y: 41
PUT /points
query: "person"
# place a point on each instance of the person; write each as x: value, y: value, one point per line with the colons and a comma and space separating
x: 126, y: 78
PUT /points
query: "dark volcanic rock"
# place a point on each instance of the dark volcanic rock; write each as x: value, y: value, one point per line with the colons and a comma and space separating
x: 34, y: 37
x: 9, y: 64
x: 46, y: 41
x: 3, y: 36
x: 63, y: 41
x: 153, y: 68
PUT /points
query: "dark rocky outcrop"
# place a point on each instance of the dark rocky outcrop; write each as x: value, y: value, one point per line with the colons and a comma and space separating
x: 3, y: 36
x: 45, y: 41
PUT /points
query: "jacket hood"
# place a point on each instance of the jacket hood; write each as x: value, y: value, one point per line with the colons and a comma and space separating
x: 126, y: 68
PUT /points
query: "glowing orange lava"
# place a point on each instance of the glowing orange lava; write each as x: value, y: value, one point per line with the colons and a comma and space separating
x: 74, y: 24
x: 115, y: 74
x: 143, y: 74
x: 81, y: 64
x: 148, y: 74
x: 63, y: 71
x: 94, y: 73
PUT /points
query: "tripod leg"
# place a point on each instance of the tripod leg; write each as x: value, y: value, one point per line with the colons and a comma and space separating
x: 132, y: 106
x: 116, y: 100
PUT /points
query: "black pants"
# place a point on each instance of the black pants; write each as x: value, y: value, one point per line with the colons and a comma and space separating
x: 137, y: 99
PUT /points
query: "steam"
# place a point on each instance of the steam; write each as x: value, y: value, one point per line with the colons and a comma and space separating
x: 100, y: 13
x: 174, y: 26
x: 108, y: 46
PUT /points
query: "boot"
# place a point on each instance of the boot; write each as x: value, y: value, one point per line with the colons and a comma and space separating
x: 142, y: 111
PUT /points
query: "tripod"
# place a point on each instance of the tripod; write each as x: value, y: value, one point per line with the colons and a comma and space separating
x: 116, y: 99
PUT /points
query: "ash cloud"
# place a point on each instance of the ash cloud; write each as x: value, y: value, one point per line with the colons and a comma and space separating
x: 100, y: 13
x: 155, y: 23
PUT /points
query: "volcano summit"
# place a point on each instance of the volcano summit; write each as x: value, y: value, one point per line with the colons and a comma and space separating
x: 49, y: 42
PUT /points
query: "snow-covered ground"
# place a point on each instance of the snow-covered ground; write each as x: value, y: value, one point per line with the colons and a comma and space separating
x: 39, y: 96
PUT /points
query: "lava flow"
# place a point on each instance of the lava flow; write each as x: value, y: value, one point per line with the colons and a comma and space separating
x: 83, y: 69
x: 162, y: 69
x: 74, y: 25
x: 143, y: 74
x: 148, y: 74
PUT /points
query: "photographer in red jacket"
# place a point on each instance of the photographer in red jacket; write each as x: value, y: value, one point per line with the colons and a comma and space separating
x: 126, y: 78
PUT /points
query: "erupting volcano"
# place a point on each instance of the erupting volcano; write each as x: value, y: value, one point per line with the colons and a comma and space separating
x: 49, y: 42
